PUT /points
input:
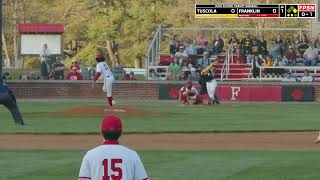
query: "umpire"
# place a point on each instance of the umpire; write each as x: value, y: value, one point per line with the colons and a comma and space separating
x: 8, y: 99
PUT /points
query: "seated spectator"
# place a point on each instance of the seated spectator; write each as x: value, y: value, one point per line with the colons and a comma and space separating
x: 287, y: 43
x: 255, y: 69
x: 131, y: 76
x: 317, y: 42
x: 291, y: 56
x: 204, y: 61
x: 74, y: 75
x: 153, y: 75
x: 303, y: 44
x: 201, y: 43
x: 310, y: 56
x: 92, y: 73
x: 6, y: 76
x: 275, y: 50
x: 32, y: 76
x: 125, y: 75
x: 175, y: 69
x: 234, y: 42
x: 186, y: 70
x: 75, y: 66
x: 58, y: 69
x: 306, y: 77
x: 187, y: 93
x: 191, y: 48
x: 289, y: 78
x: 217, y: 45
x: 181, y: 55
x: 267, y: 61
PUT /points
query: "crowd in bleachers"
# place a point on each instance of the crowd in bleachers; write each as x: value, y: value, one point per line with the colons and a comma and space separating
x: 189, y: 55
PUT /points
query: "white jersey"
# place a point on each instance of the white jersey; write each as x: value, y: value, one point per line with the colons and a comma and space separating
x: 112, y: 162
x: 104, y: 69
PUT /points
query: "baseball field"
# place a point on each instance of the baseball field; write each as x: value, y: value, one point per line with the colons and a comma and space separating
x: 232, y: 141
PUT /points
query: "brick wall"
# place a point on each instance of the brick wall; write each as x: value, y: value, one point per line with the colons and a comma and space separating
x: 65, y: 89
x: 122, y: 89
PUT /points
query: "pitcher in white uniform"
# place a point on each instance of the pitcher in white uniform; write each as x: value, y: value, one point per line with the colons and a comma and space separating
x: 103, y: 69
x: 112, y: 161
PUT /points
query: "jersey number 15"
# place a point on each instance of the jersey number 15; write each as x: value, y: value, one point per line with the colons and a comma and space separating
x: 114, y: 168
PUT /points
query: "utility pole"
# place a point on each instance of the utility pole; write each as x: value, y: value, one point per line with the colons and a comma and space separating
x: 1, y: 17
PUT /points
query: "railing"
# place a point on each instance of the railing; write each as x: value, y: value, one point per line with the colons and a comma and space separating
x: 225, y: 70
x: 315, y: 69
x: 153, y: 53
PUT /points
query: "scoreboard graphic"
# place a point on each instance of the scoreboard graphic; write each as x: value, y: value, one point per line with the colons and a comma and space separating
x: 255, y: 11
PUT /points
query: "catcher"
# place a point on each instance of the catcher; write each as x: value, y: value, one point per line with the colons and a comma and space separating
x: 187, y: 93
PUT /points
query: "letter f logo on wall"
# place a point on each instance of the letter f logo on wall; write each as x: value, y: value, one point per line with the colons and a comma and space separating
x: 235, y: 92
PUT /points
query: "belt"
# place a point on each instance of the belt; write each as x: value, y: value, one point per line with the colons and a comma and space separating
x: 107, y: 76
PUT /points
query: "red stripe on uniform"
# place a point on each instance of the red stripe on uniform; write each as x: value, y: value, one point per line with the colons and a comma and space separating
x: 84, y: 177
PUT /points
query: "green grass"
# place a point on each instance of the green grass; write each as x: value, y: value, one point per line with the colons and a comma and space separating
x: 226, y: 117
x: 184, y: 165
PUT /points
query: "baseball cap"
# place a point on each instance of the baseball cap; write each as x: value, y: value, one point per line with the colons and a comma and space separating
x: 99, y: 56
x: 111, y: 123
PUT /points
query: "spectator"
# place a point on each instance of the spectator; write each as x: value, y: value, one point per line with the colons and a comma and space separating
x: 287, y: 43
x: 175, y: 69
x: 186, y: 71
x: 32, y: 76
x: 174, y: 45
x: 153, y: 75
x: 217, y: 45
x: 275, y: 51
x: 201, y: 43
x: 255, y: 66
x: 204, y: 61
x: 291, y: 56
x: 58, y: 68
x: 181, y: 55
x: 75, y: 66
x: 74, y: 75
x: 303, y: 44
x: 306, y: 77
x: 45, y: 68
x: 263, y: 44
x: 92, y: 73
x: 249, y: 57
x: 280, y: 42
x: 131, y: 76
x: 317, y: 42
x: 6, y: 76
x: 125, y: 75
x: 45, y: 52
x: 289, y: 78
x: 311, y: 56
x: 267, y: 61
x: 234, y: 42
x: 238, y: 57
x: 191, y: 48
x: 246, y: 46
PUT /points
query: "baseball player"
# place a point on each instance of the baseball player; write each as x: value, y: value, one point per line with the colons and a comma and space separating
x: 208, y: 82
x: 8, y: 99
x: 187, y: 92
x: 112, y: 161
x: 103, y: 69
